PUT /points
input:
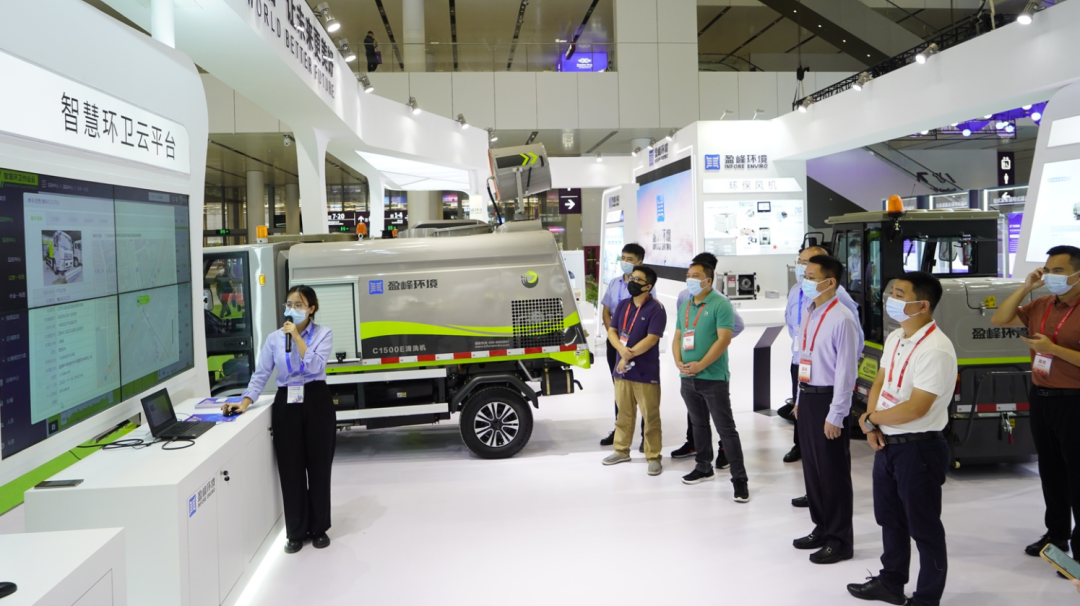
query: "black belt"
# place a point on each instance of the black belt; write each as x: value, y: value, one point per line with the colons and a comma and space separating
x: 807, y: 388
x: 1047, y: 392
x: 913, y: 437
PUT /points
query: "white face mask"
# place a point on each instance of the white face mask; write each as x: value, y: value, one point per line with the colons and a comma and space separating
x: 895, y: 309
x: 1058, y: 284
x: 627, y: 268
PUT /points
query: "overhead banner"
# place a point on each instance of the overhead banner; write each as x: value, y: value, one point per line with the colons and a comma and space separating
x: 53, y: 109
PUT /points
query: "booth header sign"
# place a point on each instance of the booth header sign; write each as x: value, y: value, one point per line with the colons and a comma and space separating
x: 53, y: 109
x: 738, y: 186
x: 736, y: 162
x: 303, y: 37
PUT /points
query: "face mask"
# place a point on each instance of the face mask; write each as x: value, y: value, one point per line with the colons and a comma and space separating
x: 694, y: 286
x: 800, y: 272
x: 1057, y: 284
x: 635, y: 289
x: 627, y: 268
x: 297, y: 315
x: 810, y: 288
x: 895, y: 309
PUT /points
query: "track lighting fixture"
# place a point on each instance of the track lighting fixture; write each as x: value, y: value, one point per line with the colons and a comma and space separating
x: 365, y: 82
x: 805, y: 105
x: 927, y: 52
x: 461, y: 122
x: 414, y: 105
x: 346, y: 50
x: 1028, y: 13
x: 861, y: 81
x: 599, y: 158
x: 329, y: 21
x: 492, y: 137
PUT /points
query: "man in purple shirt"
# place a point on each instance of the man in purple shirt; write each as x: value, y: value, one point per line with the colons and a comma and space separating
x: 617, y: 292
x: 636, y: 327
x: 829, y: 345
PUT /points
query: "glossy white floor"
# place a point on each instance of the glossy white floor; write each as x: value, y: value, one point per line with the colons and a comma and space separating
x: 418, y: 520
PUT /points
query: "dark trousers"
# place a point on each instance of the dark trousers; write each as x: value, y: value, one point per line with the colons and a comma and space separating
x: 372, y: 64
x: 304, y: 440
x: 795, y: 397
x: 907, y: 505
x: 827, y: 472
x: 705, y: 398
x: 690, y: 435
x: 1055, y: 428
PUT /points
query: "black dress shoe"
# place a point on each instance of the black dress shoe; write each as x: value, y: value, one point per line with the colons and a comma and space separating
x: 1036, y: 548
x: 802, y: 501
x: 793, y: 455
x: 809, y: 542
x: 786, y: 412
x: 609, y: 440
x: 828, y: 555
x: 7, y: 588
x: 320, y: 541
x: 874, y: 589
x: 293, y: 546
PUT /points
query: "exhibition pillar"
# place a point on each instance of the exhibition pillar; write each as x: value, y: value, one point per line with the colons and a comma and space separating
x: 311, y: 166
x: 424, y: 206
x: 292, y: 208
x: 412, y: 17
x: 256, y: 202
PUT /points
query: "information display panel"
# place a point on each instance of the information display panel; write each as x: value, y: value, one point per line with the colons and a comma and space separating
x: 753, y: 227
x: 96, y: 306
x: 665, y: 200
x: 1058, y: 218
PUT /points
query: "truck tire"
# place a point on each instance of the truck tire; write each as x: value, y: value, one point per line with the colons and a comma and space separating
x: 496, y: 422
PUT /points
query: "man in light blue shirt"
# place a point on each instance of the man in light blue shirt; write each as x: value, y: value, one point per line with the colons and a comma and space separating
x: 797, y: 309
x: 688, y: 449
x: 632, y: 256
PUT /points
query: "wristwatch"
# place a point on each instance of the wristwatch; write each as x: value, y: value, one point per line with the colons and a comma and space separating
x: 868, y: 423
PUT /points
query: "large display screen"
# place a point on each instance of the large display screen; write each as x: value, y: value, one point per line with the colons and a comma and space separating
x: 1058, y: 218
x: 754, y: 227
x: 665, y: 201
x: 96, y: 304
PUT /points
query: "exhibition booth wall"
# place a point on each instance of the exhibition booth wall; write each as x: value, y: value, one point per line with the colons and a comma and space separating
x: 102, y: 165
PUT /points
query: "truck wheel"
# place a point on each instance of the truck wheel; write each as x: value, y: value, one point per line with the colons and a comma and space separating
x: 496, y: 423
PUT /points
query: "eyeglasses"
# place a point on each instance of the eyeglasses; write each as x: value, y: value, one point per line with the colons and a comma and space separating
x: 299, y: 306
x: 799, y: 261
x: 640, y: 281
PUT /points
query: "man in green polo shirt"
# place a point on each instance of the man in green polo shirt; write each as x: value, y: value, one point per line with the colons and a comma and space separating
x: 703, y: 332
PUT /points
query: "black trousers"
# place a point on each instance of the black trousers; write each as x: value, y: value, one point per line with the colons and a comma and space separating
x: 705, y: 398
x: 795, y: 397
x: 304, y: 440
x: 1055, y: 428
x: 907, y: 505
x: 372, y: 65
x: 827, y: 472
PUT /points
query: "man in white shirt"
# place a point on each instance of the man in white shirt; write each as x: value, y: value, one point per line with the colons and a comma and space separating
x: 908, y: 409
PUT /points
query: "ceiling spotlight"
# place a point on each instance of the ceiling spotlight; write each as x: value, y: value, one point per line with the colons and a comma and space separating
x: 756, y: 112
x: 806, y: 103
x: 966, y: 132
x: 861, y: 81
x: 492, y: 137
x: 365, y: 82
x: 652, y: 142
x: 415, y: 107
x: 955, y: 124
x: 988, y: 116
x: 346, y: 50
x: 1036, y: 116
x: 1000, y: 124
x: 670, y: 135
x: 599, y: 158
x: 1029, y: 11
x: 331, y: 23
x: 461, y: 122
x: 635, y: 152
x: 927, y: 52
x: 924, y: 132
x: 1009, y: 128
x: 1025, y: 107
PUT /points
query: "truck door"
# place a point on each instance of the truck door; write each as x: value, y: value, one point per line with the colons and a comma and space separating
x: 229, y: 346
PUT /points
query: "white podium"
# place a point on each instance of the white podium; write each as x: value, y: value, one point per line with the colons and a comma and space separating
x: 76, y: 568
x: 193, y: 518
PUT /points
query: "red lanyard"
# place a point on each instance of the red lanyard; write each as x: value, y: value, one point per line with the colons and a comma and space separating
x: 627, y: 315
x: 903, y: 369
x: 820, y: 322
x: 686, y: 322
x: 1042, y: 329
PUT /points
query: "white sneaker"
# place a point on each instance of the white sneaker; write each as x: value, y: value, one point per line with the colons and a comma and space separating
x: 615, y: 459
x: 655, y: 468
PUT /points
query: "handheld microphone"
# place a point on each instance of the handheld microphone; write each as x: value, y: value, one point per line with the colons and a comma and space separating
x: 288, y: 339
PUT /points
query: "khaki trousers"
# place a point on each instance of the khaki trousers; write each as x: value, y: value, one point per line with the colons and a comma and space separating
x: 629, y: 396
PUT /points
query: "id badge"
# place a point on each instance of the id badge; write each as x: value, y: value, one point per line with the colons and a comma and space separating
x: 295, y: 394
x: 1041, y: 364
x: 804, y: 370
x: 688, y: 340
x: 890, y: 400
x: 624, y: 337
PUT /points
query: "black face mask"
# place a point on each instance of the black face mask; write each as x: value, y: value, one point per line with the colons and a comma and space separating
x: 635, y: 289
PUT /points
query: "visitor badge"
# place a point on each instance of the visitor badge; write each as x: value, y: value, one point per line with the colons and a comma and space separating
x: 804, y: 370
x: 688, y: 340
x: 1041, y: 364
x: 624, y: 337
x: 295, y: 394
x: 890, y: 400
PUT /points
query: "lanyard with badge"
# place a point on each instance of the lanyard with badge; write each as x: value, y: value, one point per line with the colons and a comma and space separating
x: 688, y: 333
x: 295, y: 389
x: 1041, y: 364
x: 798, y: 322
x: 892, y: 398
x: 805, y: 361
x: 624, y: 335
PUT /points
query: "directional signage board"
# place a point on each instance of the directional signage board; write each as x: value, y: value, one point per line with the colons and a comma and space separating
x: 570, y: 201
x: 1006, y: 169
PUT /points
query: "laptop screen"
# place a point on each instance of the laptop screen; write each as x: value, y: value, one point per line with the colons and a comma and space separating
x: 158, y: 410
